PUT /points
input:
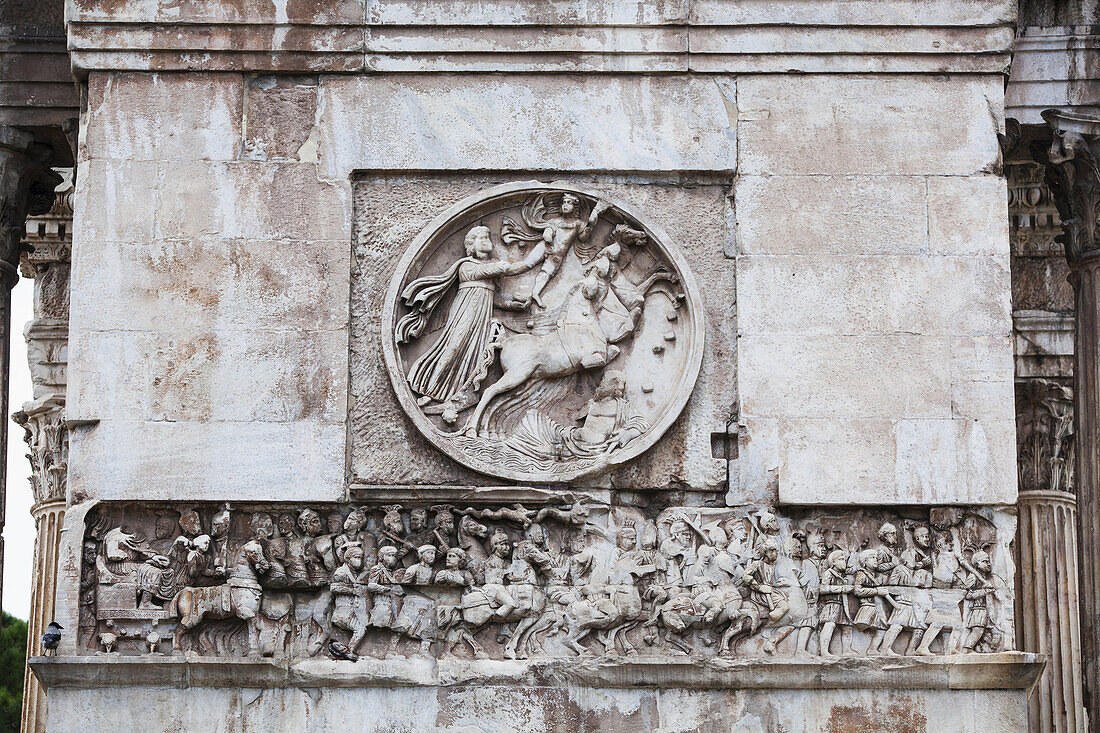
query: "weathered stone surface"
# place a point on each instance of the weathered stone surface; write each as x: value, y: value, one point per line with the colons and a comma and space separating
x: 838, y: 294
x: 967, y: 216
x: 246, y: 375
x: 440, y: 122
x: 209, y: 283
x: 252, y: 200
x: 137, y: 117
x: 820, y: 124
x: 122, y: 459
x: 506, y: 710
x: 836, y: 215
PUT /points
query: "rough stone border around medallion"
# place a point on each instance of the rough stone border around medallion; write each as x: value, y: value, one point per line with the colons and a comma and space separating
x: 1000, y: 671
x: 682, y: 391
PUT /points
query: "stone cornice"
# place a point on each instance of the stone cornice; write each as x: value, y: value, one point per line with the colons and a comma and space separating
x: 1006, y: 670
x: 574, y: 36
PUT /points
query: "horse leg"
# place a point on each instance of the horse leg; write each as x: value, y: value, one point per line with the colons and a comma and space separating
x: 519, y: 636
x: 511, y: 379
x: 771, y: 644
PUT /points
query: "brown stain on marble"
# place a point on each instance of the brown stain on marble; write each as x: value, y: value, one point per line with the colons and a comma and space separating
x: 902, y: 716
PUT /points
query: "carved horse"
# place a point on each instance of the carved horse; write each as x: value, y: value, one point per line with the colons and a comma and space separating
x: 578, y: 343
x: 238, y: 598
x: 682, y: 613
x: 756, y: 618
x: 613, y: 609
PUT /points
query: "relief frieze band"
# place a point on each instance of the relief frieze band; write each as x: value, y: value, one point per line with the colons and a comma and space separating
x: 490, y: 581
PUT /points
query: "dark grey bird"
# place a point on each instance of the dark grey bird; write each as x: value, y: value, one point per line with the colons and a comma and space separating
x: 52, y: 637
x: 341, y: 651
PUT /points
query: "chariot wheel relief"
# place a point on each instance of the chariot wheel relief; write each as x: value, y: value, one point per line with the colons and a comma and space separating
x: 542, y: 332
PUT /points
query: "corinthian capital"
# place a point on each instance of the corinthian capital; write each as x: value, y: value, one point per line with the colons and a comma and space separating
x: 1073, y: 174
x: 26, y: 187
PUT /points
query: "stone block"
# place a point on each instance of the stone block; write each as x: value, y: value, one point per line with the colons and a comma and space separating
x: 131, y: 188
x: 443, y: 122
x: 246, y: 376
x: 541, y: 709
x: 968, y: 215
x: 257, y: 200
x: 890, y: 375
x: 206, y: 284
x: 135, y: 117
x: 982, y: 377
x: 843, y: 294
x: 281, y: 118
x: 831, y: 214
x: 885, y: 461
x: 858, y: 13
x: 823, y: 124
x: 268, y: 461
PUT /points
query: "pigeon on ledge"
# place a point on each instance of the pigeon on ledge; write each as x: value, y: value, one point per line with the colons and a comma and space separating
x: 341, y: 651
x: 52, y: 637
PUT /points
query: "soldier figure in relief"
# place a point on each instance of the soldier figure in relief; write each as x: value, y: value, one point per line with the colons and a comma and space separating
x: 759, y: 577
x: 832, y: 599
x: 981, y: 585
x: 349, y: 591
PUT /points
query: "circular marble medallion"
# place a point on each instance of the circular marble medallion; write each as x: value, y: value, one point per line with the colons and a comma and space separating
x: 542, y: 332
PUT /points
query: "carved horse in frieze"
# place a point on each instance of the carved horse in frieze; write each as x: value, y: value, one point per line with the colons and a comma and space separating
x: 755, y: 619
x: 237, y: 598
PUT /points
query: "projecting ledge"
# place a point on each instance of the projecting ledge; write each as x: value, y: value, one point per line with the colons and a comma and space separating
x: 1003, y: 671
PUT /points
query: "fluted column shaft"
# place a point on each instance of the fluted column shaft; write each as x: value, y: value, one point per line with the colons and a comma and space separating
x: 1073, y: 172
x: 1047, y: 606
x: 48, y: 519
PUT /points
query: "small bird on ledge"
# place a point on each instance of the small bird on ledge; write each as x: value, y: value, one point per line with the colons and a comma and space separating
x: 52, y: 637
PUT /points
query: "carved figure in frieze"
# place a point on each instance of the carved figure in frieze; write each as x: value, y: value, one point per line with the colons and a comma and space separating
x: 532, y: 563
x: 832, y: 599
x: 419, y: 533
x: 759, y: 578
x: 386, y: 592
x: 421, y: 572
x: 239, y: 597
x: 470, y: 539
x: 869, y: 616
x: 455, y: 572
x: 190, y: 523
x: 393, y: 532
x: 807, y: 577
x: 615, y: 606
x: 450, y: 372
x: 443, y: 527
x: 888, y: 552
x: 219, y: 536
x: 354, y: 531
x: 917, y: 560
x: 981, y: 589
x: 312, y: 528
x: 350, y: 596
x: 165, y: 530
x: 288, y: 554
x: 499, y: 599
